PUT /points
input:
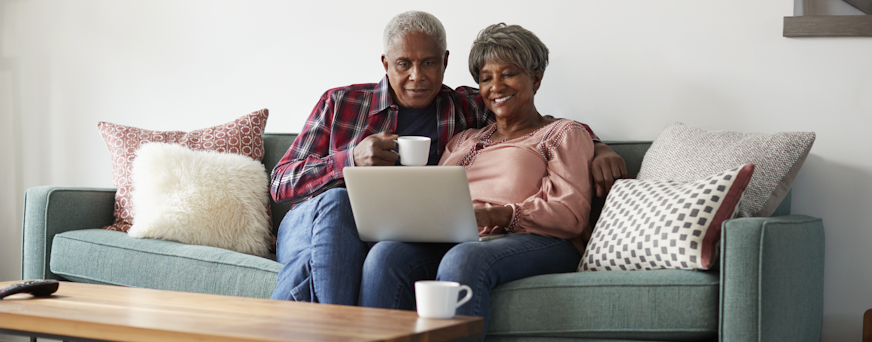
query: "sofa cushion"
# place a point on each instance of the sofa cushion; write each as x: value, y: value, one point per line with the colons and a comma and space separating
x: 275, y: 145
x: 111, y: 257
x: 672, y: 305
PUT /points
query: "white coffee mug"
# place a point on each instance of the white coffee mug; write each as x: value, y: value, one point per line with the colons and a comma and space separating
x: 414, y: 151
x: 438, y: 299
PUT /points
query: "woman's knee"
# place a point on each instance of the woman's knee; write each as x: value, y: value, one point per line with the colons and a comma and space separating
x: 463, y: 262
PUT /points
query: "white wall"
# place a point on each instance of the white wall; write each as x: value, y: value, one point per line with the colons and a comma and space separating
x: 625, y: 68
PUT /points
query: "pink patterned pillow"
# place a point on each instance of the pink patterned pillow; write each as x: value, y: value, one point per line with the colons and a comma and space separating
x: 242, y: 136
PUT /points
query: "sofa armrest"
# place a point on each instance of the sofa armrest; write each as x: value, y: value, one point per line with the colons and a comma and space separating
x: 50, y: 210
x: 772, y: 277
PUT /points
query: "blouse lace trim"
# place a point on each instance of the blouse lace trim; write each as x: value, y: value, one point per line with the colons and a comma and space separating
x: 483, y: 141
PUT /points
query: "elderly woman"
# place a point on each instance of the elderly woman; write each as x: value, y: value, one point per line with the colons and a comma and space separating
x: 529, y: 179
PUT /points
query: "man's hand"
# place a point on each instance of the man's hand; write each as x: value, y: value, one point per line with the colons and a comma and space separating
x: 376, y: 150
x: 607, y: 166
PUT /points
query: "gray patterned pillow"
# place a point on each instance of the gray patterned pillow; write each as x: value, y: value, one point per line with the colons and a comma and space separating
x: 684, y: 153
x: 661, y: 224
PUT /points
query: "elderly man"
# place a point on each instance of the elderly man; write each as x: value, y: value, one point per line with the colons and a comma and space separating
x: 355, y: 126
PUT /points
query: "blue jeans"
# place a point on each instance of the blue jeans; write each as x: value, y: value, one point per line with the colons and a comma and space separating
x: 321, y: 253
x: 391, y: 268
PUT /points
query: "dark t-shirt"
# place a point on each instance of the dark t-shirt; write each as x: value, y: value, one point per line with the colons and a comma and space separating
x: 420, y: 122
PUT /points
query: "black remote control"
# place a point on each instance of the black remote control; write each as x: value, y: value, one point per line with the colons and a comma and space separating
x: 38, y: 288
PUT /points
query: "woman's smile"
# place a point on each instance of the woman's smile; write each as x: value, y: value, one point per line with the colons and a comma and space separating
x: 500, y: 101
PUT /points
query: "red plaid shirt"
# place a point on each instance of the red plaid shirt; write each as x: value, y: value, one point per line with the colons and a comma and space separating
x: 345, y: 116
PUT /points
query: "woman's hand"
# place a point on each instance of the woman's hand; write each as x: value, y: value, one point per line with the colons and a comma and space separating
x: 494, y: 216
x: 606, y: 167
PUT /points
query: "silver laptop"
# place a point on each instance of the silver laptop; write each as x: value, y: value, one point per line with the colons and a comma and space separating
x: 411, y: 203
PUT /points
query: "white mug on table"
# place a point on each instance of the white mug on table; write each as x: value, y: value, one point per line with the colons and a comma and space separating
x: 438, y: 299
x: 413, y: 150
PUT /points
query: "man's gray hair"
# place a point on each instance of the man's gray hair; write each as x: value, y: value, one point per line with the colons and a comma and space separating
x: 412, y: 22
x: 501, y: 43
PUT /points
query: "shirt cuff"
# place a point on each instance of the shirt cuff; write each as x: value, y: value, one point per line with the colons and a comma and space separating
x: 342, y: 160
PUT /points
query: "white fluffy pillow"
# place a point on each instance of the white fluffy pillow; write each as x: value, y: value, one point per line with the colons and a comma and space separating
x: 201, y: 198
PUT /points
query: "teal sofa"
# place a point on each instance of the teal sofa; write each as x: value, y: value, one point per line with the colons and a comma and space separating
x: 767, y: 287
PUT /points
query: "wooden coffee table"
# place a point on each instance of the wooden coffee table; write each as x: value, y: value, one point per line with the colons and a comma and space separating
x: 112, y: 313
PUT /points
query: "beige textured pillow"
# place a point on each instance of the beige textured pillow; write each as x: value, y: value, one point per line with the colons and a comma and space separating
x: 683, y: 153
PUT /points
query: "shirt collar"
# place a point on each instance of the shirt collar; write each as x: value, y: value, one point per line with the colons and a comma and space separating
x: 381, y: 97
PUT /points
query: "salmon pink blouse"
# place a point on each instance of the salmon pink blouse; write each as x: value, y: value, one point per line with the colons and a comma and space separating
x: 544, y: 176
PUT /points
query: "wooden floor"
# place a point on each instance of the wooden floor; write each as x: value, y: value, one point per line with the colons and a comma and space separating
x: 120, y: 313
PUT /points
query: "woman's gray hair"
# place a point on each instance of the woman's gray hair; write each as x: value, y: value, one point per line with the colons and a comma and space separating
x: 501, y: 43
x: 412, y: 22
